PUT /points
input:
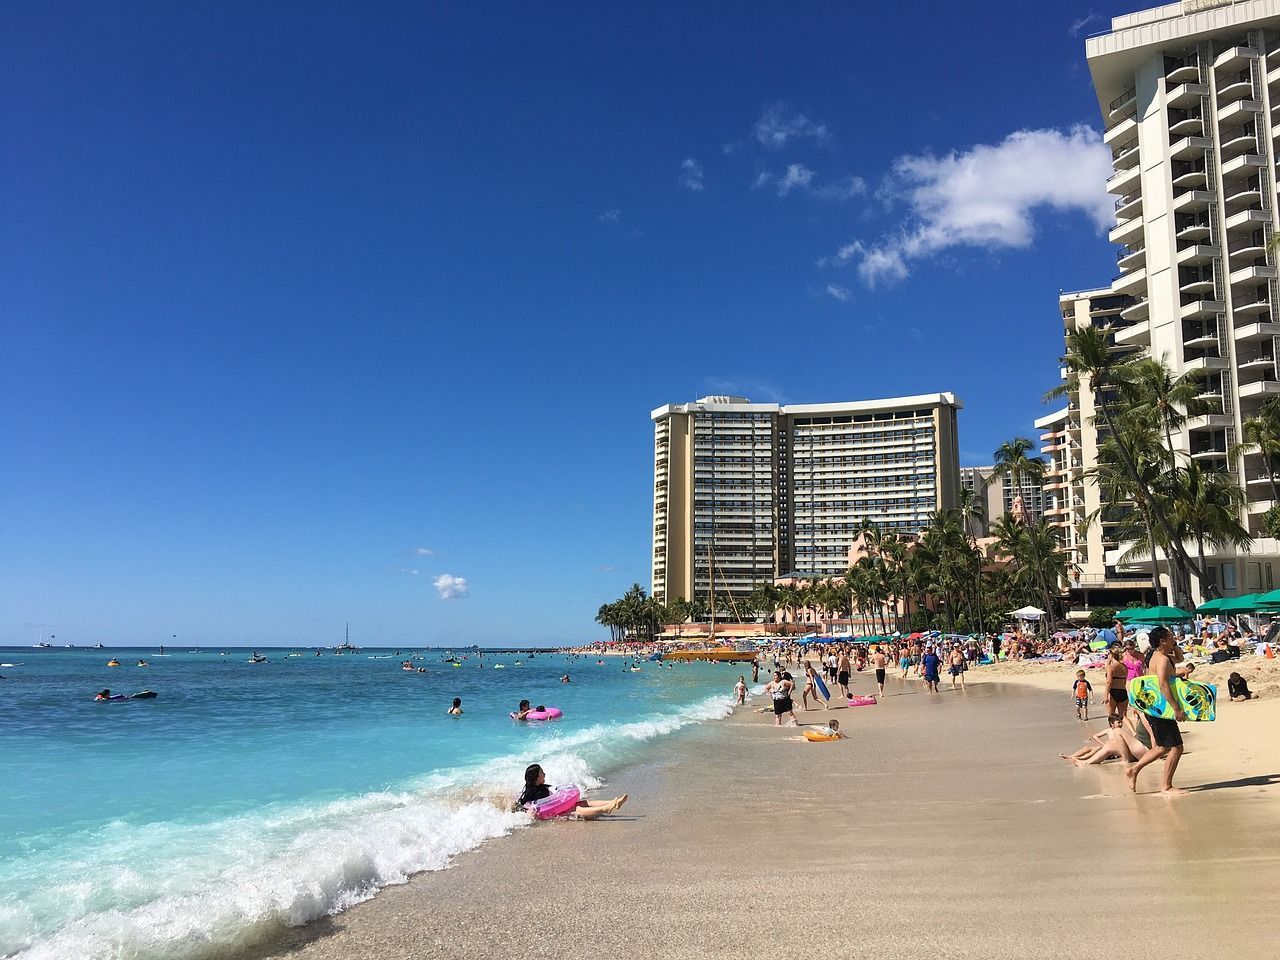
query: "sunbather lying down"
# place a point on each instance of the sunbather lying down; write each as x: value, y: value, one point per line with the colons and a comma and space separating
x: 1128, y: 742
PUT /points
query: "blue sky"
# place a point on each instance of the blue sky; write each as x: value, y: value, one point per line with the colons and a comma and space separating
x: 277, y: 286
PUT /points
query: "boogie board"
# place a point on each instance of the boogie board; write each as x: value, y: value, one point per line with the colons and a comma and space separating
x: 1197, y: 700
x: 822, y: 687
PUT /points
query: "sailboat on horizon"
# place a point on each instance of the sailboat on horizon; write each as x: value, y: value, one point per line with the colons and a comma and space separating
x: 346, y: 644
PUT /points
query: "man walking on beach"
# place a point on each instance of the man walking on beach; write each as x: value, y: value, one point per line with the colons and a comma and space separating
x: 1165, y: 735
x: 843, y: 669
x: 931, y: 664
x: 881, y: 663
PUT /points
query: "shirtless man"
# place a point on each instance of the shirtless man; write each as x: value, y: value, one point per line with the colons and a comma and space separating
x: 956, y: 666
x: 881, y: 663
x: 843, y: 669
x: 1166, y: 737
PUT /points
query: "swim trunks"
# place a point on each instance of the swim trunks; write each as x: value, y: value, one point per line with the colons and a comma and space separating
x: 955, y: 671
x: 843, y: 678
x: 1166, y: 732
x: 1082, y: 701
x: 782, y: 706
x: 880, y: 676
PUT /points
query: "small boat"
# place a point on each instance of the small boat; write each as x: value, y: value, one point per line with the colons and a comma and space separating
x: 257, y: 658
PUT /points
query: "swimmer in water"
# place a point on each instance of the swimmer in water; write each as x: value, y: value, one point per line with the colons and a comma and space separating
x: 535, y: 789
x: 456, y: 709
x: 522, y: 711
x: 565, y: 678
x: 103, y: 695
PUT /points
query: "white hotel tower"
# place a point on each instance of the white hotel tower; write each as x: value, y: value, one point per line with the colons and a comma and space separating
x: 1190, y: 96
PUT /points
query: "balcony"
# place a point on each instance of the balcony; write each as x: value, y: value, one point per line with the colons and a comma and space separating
x: 1193, y: 200
x: 1196, y: 284
x: 1210, y: 421
x: 1249, y: 248
x: 1186, y: 94
x: 1130, y: 257
x: 1138, y: 310
x: 1247, y: 164
x: 1240, y: 140
x: 1241, y: 196
x: 1196, y: 230
x: 1250, y: 305
x: 1207, y: 364
x: 1182, y: 71
x: 1137, y: 335
x: 1255, y: 274
x: 1260, y: 388
x: 1199, y: 339
x: 1125, y: 105
x: 1210, y: 453
x: 1198, y: 253
x: 1125, y: 154
x: 1189, y: 147
x: 1129, y: 206
x: 1258, y: 330
x: 1126, y: 129
x: 1234, y: 58
x: 1126, y: 180
x: 1236, y: 88
x: 1185, y: 123
x: 1249, y: 219
x: 1201, y: 308
x: 1133, y: 282
x: 1255, y: 362
x: 1126, y: 231
x: 1236, y: 112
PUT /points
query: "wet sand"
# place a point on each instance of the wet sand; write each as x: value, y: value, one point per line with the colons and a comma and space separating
x: 946, y: 827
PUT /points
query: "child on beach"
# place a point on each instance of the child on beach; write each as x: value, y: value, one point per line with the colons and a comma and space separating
x: 1238, y: 687
x: 833, y: 729
x: 741, y: 690
x: 1082, y: 689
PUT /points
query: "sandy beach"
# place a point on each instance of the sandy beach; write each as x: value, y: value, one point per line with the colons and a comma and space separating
x: 947, y: 826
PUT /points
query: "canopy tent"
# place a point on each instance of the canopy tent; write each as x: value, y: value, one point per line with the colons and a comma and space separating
x: 1027, y: 613
x: 1107, y: 634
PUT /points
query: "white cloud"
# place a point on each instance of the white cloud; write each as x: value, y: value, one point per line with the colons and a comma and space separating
x: 780, y: 124
x: 606, y: 567
x: 422, y: 552
x: 837, y: 292
x: 406, y: 570
x: 799, y: 177
x: 610, y: 216
x: 452, y: 588
x: 691, y: 174
x: 986, y: 197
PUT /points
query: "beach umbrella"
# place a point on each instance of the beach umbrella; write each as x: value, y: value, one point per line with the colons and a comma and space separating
x: 1268, y: 600
x: 1165, y: 615
x: 1213, y: 606
x: 1133, y: 613
x: 1107, y: 634
x: 1246, y: 604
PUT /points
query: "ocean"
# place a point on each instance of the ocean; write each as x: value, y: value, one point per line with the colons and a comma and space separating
x: 250, y: 795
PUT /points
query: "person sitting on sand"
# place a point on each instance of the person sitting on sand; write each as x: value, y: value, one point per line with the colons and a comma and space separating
x: 1238, y: 688
x: 535, y: 789
x: 1127, y: 743
x: 456, y: 709
x: 833, y: 730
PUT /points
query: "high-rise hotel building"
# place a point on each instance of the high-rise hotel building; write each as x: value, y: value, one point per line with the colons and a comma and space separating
x: 760, y: 490
x: 1190, y: 97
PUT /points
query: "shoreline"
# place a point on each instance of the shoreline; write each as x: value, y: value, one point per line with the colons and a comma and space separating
x: 953, y: 807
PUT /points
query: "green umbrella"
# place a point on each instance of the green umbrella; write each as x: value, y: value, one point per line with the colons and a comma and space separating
x: 1246, y: 604
x: 1133, y: 613
x: 1165, y: 615
x: 1213, y: 606
x: 1268, y: 600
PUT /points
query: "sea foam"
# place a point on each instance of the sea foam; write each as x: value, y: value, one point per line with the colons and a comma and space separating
x: 182, y: 891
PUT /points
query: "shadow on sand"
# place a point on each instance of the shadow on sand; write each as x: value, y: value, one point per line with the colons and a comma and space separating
x: 1265, y: 780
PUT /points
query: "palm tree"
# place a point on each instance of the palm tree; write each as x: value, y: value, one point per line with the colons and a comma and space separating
x: 1261, y: 434
x: 1207, y: 507
x: 1012, y: 461
x: 1175, y: 400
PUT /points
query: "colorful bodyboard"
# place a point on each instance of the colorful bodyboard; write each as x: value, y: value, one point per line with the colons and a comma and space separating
x: 1197, y: 700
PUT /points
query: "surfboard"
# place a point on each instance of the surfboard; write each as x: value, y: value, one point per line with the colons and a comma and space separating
x: 1197, y: 700
x: 822, y: 687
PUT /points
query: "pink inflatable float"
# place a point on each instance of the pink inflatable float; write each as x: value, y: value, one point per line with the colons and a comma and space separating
x: 862, y: 701
x: 551, y: 713
x: 563, y: 801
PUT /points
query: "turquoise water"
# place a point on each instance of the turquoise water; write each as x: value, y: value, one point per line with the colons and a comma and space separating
x: 251, y: 795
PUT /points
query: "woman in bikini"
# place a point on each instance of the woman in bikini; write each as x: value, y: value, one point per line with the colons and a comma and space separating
x: 1117, y: 691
